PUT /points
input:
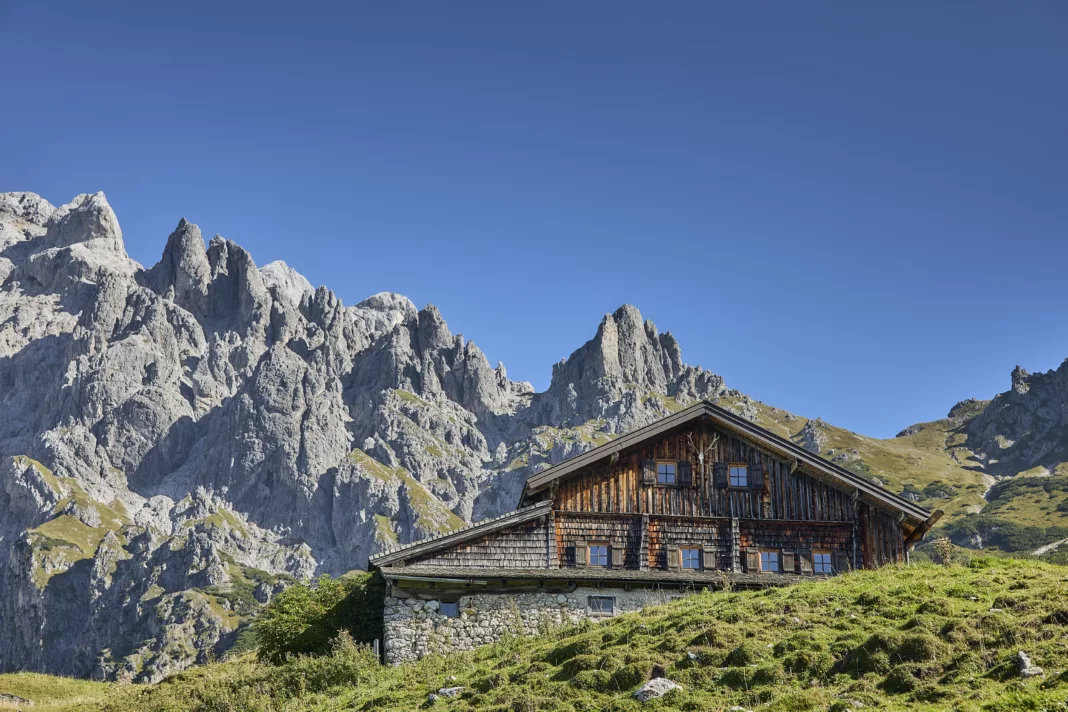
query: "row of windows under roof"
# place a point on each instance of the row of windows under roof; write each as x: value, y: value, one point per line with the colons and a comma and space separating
x: 667, y: 474
x: 691, y: 558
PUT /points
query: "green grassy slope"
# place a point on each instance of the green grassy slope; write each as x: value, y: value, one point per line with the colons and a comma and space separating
x: 931, y: 462
x: 916, y: 638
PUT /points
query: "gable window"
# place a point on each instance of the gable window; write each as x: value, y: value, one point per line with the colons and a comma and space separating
x: 599, y: 555
x: 691, y: 559
x: 665, y: 473
x: 600, y: 605
x: 769, y: 561
x: 821, y: 562
x: 739, y: 476
x: 450, y: 609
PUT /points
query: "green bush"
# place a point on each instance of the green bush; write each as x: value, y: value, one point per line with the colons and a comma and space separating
x: 305, y: 618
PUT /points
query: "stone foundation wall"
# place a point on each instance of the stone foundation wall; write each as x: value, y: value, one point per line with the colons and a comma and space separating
x: 415, y: 627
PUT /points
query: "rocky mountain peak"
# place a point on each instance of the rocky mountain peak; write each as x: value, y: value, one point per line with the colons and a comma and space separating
x: 1020, y: 379
x: 286, y: 282
x: 627, y: 355
x: 87, y: 218
x: 625, y: 348
x: 183, y: 273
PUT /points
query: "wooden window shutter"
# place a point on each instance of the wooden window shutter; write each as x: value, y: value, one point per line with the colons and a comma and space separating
x: 841, y: 562
x: 756, y: 476
x: 806, y: 561
x: 708, y: 558
x: 685, y: 473
x: 673, y: 557
x: 752, y: 560
x: 648, y: 472
x: 788, y: 562
x: 581, y: 553
x: 720, y: 468
x: 615, y: 555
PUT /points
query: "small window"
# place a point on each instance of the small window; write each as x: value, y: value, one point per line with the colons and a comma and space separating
x: 665, y: 473
x: 598, y: 555
x: 821, y: 562
x: 739, y: 476
x: 601, y: 605
x: 691, y: 559
x: 769, y: 561
x: 450, y: 609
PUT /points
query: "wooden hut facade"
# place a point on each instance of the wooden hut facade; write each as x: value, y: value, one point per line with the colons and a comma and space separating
x: 697, y: 500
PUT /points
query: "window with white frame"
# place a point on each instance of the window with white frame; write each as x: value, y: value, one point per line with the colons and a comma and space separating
x: 450, y: 609
x: 691, y: 559
x: 821, y: 562
x: 769, y: 561
x: 665, y: 473
x: 739, y: 476
x: 598, y: 555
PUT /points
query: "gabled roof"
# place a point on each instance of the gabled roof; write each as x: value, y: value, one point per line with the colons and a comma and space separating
x: 473, y: 531
x: 812, y: 464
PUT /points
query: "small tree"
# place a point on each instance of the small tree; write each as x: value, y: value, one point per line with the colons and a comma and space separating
x: 943, y: 549
x: 305, y: 618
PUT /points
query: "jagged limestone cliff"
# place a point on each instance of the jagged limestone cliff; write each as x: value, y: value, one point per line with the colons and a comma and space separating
x: 179, y: 442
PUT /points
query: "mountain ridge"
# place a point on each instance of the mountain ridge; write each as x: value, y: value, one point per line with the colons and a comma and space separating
x: 180, y: 441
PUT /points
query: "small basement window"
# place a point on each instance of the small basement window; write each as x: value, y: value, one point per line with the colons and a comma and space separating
x: 665, y: 473
x: 821, y: 562
x: 598, y: 555
x: 769, y: 561
x: 450, y: 609
x: 601, y: 605
x: 739, y: 476
x: 691, y: 559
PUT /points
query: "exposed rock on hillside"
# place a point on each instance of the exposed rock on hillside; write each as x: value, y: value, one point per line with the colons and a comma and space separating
x: 1024, y: 427
x: 180, y: 440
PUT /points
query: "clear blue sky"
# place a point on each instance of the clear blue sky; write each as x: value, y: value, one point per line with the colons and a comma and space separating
x: 851, y: 210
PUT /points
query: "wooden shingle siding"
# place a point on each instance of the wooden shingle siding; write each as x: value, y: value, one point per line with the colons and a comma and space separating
x: 608, y: 487
x: 623, y: 534
x: 665, y: 532
x: 796, y: 537
x: 521, y: 546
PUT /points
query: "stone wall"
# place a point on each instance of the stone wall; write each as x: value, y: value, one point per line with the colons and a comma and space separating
x: 415, y: 627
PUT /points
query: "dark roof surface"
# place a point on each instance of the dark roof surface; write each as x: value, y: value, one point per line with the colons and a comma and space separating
x: 870, y: 491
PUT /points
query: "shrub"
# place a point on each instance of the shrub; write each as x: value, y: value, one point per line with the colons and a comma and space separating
x: 305, y: 618
x: 943, y: 549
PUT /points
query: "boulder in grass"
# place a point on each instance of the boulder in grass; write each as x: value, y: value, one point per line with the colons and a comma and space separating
x: 1026, y: 667
x: 655, y: 689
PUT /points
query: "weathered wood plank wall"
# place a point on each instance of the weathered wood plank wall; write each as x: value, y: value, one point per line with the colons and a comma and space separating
x: 617, y: 487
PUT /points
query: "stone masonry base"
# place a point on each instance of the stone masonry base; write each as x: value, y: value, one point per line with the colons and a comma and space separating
x: 415, y: 627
